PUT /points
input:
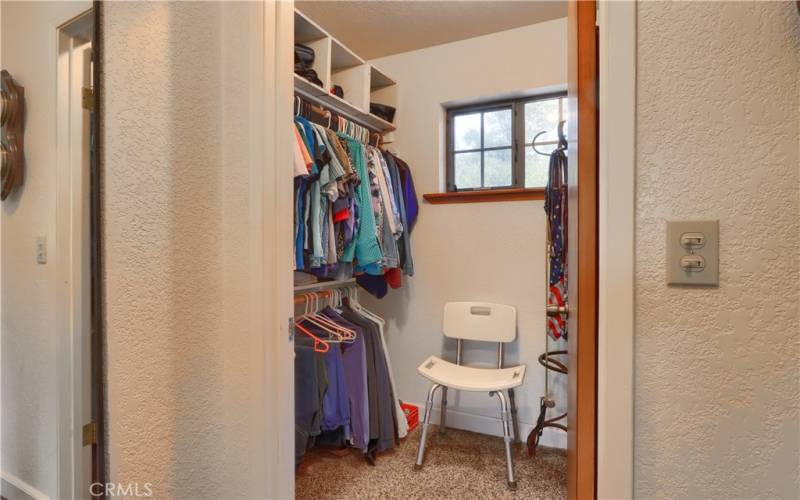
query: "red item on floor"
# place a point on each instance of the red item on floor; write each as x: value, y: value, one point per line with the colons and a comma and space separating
x: 412, y: 415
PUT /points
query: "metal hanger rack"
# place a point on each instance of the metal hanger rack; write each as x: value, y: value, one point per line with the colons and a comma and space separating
x: 549, y: 359
x: 562, y: 140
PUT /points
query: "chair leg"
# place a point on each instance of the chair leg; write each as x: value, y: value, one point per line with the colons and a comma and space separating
x: 425, y: 422
x: 514, y: 420
x: 505, y: 417
x: 443, y: 416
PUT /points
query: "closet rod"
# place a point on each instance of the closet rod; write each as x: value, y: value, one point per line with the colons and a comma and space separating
x: 326, y: 105
x: 323, y: 285
x: 322, y: 294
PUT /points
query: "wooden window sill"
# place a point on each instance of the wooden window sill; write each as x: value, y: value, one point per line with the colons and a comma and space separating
x: 485, y: 196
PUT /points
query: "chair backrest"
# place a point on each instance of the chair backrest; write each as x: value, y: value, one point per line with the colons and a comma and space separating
x: 480, y: 321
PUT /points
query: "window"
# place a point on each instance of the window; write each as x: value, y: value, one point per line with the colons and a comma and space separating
x: 489, y: 146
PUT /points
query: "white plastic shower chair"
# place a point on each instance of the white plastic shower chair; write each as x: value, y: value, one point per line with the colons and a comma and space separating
x: 479, y: 321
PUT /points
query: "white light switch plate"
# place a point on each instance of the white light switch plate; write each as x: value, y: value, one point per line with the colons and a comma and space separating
x: 709, y: 274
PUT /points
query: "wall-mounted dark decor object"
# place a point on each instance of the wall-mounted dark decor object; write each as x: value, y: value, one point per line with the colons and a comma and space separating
x: 12, y: 122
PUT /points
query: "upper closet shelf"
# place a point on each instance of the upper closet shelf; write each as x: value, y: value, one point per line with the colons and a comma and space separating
x: 342, y: 57
x: 336, y: 65
x: 378, y: 80
x: 338, y: 105
x: 306, y: 30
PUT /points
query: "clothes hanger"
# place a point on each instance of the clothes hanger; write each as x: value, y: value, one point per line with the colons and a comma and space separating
x: 353, y: 299
x: 371, y: 315
x: 313, y: 318
x: 311, y: 300
x: 341, y: 333
x: 320, y: 345
x: 339, y: 296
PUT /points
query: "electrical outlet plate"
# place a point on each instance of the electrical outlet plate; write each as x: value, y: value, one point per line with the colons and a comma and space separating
x: 709, y: 274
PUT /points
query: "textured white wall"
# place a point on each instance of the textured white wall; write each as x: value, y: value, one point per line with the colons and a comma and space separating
x: 490, y: 251
x: 718, y: 369
x: 178, y: 116
x: 30, y: 334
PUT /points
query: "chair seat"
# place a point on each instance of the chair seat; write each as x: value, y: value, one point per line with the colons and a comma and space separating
x: 466, y: 378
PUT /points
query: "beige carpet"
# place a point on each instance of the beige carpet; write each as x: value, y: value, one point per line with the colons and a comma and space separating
x: 460, y: 464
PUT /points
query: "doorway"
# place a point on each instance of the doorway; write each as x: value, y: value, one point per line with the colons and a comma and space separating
x: 47, y: 273
x: 583, y: 113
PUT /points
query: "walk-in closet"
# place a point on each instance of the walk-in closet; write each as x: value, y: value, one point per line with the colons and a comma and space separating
x: 429, y: 249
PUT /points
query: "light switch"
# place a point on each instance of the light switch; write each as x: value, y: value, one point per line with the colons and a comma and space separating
x: 693, y: 241
x: 693, y: 252
x: 41, y: 250
x: 693, y: 263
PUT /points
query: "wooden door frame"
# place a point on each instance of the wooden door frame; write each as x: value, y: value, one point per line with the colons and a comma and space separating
x: 608, y: 463
x: 583, y: 176
x: 602, y: 76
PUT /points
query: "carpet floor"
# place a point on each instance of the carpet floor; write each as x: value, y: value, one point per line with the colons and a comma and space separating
x: 460, y: 464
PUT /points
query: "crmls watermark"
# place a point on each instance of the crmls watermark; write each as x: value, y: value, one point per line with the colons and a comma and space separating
x: 125, y: 490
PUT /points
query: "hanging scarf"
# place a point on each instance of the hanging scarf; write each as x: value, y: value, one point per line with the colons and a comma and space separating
x: 555, y: 206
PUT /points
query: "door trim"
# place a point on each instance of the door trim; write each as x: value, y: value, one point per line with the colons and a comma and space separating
x: 583, y: 178
x: 277, y: 248
x: 617, y: 206
x: 99, y: 455
x: 73, y: 249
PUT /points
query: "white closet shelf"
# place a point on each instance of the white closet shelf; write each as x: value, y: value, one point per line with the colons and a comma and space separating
x: 336, y: 64
x: 342, y: 57
x: 378, y: 79
x: 306, y: 30
x: 338, y: 105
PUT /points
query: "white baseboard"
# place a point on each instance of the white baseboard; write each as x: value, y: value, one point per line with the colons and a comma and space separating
x: 491, y: 426
x: 14, y: 488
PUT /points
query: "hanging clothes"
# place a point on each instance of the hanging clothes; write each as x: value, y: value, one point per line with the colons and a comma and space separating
x: 383, y: 428
x: 555, y: 206
x: 409, y: 193
x: 311, y: 382
x: 346, y: 394
x: 355, y: 206
x: 354, y: 358
x: 406, y: 262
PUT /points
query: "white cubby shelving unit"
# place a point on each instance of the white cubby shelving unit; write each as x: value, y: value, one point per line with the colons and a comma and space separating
x: 335, y: 64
